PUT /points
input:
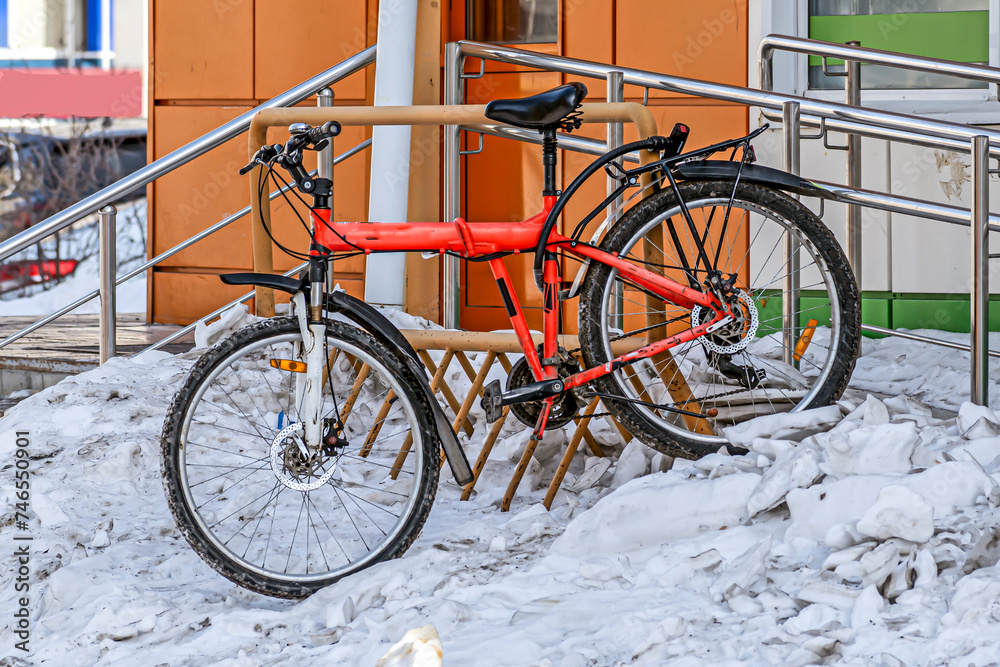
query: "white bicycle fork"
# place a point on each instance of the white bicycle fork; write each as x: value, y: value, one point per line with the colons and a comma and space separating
x: 309, y: 391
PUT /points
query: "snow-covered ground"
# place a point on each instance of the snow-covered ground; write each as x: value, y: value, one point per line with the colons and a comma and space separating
x: 131, y: 252
x: 872, y: 541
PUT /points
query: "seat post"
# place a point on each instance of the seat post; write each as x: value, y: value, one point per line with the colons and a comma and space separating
x: 549, y: 146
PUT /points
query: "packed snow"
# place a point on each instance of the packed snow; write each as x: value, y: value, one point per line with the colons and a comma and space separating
x: 862, y: 533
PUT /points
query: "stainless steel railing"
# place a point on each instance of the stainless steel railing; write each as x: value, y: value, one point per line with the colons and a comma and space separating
x: 850, y: 118
x: 161, y: 167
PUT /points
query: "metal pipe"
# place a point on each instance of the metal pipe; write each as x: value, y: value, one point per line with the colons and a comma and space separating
x: 566, y: 141
x: 390, y: 157
x: 48, y: 318
x: 450, y: 295
x: 851, y: 51
x: 324, y: 160
x: 159, y: 258
x: 324, y: 169
x: 215, y: 313
x: 227, y: 221
x: 892, y: 122
x: 616, y: 137
x: 181, y: 156
x: 854, y: 228
x: 871, y: 328
x: 836, y: 191
x: 790, y: 248
x: 980, y: 289
x: 888, y: 134
x: 108, y: 268
x: 905, y: 205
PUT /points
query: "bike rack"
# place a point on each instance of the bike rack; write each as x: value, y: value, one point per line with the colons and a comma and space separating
x: 450, y: 116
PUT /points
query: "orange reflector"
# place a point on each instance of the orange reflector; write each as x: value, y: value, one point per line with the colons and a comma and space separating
x: 800, y: 347
x: 289, y: 365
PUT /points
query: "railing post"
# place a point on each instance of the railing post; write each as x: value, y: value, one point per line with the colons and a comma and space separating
x: 790, y: 131
x: 324, y: 169
x: 108, y: 270
x: 616, y: 137
x: 980, y: 288
x: 854, y: 230
x: 452, y: 184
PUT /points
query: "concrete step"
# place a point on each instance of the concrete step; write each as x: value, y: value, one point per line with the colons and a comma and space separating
x: 69, y: 346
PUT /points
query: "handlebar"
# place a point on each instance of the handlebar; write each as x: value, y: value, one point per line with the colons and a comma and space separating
x: 289, y: 156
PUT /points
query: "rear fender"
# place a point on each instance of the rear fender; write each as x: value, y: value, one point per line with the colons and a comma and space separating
x: 724, y: 170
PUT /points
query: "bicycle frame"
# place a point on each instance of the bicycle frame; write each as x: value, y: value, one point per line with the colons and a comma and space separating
x: 486, y: 238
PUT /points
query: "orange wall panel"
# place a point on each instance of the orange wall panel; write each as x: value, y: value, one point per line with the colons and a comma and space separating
x: 181, y: 298
x: 709, y: 124
x: 588, y: 31
x: 701, y: 40
x: 202, y: 192
x: 202, y: 50
x: 297, y: 39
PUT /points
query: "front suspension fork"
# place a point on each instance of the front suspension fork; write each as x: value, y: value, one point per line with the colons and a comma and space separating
x: 309, y: 394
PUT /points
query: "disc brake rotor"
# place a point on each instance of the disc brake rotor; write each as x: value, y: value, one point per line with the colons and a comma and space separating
x: 298, y: 471
x: 734, y: 336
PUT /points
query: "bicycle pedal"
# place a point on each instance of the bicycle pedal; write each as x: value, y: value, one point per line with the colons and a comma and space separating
x: 492, y: 401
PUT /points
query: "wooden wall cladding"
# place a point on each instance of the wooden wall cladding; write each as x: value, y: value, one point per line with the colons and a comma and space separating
x: 698, y: 40
x: 297, y: 39
x: 202, y: 50
x: 202, y: 192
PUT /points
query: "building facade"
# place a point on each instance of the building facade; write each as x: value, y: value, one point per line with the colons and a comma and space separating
x: 65, y: 58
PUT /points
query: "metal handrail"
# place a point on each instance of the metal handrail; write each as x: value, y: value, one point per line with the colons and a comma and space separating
x: 882, y: 124
x: 182, y: 156
x: 813, y: 47
x: 215, y: 313
x: 225, y: 222
x: 852, y: 118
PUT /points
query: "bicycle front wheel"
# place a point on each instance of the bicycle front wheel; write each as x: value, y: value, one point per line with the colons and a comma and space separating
x: 765, y: 362
x: 261, y: 508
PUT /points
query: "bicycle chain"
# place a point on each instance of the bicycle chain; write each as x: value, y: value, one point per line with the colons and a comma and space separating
x: 664, y: 405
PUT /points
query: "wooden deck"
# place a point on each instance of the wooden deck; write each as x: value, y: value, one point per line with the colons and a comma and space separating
x: 70, y: 344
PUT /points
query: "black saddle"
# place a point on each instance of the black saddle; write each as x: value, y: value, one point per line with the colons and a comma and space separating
x: 544, y: 110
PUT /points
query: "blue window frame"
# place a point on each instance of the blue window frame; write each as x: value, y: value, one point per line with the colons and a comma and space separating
x: 94, y: 16
x: 3, y: 24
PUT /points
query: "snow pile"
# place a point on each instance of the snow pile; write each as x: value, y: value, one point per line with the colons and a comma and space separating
x: 861, y: 533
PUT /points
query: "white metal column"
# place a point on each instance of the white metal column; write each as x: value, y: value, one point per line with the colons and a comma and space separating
x: 390, y: 174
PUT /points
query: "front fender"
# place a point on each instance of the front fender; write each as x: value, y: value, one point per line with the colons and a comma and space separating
x: 371, y: 320
x: 378, y: 325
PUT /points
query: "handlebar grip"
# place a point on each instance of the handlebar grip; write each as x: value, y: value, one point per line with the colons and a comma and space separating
x: 330, y: 128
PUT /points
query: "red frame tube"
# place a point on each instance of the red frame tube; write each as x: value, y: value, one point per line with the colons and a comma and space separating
x: 480, y: 238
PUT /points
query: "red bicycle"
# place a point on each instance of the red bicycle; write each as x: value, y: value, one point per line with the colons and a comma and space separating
x: 329, y: 426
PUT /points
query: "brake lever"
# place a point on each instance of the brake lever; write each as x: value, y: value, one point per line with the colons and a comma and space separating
x: 262, y: 156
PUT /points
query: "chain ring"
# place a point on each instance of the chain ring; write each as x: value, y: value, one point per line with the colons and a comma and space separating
x: 286, y: 455
x: 565, y: 407
x: 745, y: 334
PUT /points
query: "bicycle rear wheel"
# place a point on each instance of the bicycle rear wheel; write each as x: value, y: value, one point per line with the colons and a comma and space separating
x: 263, y: 513
x: 740, y: 370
